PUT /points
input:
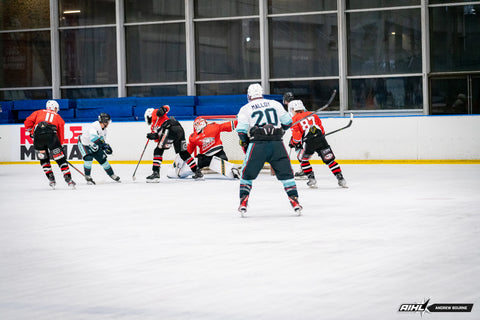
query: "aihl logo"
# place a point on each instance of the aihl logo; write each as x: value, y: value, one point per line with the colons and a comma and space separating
x: 414, y: 307
x: 436, y: 307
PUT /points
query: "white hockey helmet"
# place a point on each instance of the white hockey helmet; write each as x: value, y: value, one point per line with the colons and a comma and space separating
x: 52, y: 105
x: 254, y: 91
x: 296, y: 105
x: 148, y: 115
x: 199, y: 124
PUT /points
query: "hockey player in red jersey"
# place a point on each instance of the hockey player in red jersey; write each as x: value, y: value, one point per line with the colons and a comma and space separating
x: 309, y: 135
x: 46, y: 127
x: 167, y: 131
x: 205, y: 141
x: 206, y: 137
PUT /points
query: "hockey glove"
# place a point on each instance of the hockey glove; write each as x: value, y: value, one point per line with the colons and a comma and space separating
x: 244, y: 141
x: 292, y: 144
x: 106, y: 147
x: 152, y: 136
x: 161, y: 111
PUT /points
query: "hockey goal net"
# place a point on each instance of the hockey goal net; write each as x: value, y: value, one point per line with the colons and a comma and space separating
x: 231, y: 142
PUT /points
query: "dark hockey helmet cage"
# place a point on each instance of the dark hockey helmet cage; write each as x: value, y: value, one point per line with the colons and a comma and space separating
x: 104, y: 118
x: 287, y: 97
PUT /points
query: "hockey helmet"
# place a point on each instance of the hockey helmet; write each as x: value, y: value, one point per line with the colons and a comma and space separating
x: 199, y: 124
x: 104, y: 118
x: 287, y: 97
x: 148, y: 115
x: 52, y: 105
x: 254, y: 91
x: 296, y: 105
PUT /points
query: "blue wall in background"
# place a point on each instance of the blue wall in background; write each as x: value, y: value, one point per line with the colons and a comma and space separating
x: 128, y: 109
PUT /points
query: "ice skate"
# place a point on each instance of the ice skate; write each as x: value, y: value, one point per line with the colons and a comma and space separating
x: 51, y: 180
x: 52, y: 184
x: 243, y: 205
x: 154, y: 177
x: 198, y: 175
x: 89, y: 180
x: 115, y: 177
x: 236, y: 173
x: 341, y: 181
x: 69, y: 181
x: 295, y: 205
x: 312, y: 183
x: 300, y: 175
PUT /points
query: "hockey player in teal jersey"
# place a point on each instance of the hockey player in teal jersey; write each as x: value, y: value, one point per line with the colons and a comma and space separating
x: 92, y: 145
x: 261, y: 125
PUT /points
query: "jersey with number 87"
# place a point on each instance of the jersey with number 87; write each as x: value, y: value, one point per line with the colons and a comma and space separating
x: 302, y: 128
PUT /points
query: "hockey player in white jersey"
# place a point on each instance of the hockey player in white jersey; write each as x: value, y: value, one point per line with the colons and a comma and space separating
x: 261, y: 125
x: 92, y: 145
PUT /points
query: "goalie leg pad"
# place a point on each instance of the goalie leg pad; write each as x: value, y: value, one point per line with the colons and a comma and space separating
x: 223, y: 167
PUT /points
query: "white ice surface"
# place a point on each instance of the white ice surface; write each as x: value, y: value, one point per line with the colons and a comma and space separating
x: 179, y: 250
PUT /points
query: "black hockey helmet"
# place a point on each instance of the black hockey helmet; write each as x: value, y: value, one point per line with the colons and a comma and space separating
x: 104, y: 118
x: 287, y: 97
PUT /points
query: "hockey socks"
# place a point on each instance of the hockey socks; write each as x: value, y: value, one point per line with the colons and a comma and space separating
x: 290, y: 187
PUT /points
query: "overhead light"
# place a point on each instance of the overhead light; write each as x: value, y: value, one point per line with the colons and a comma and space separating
x: 393, y: 33
x: 71, y: 11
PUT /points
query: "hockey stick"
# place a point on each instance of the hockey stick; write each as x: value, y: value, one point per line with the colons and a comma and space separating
x: 348, y: 125
x: 325, y: 106
x: 318, y: 110
x: 71, y: 165
x: 141, y: 156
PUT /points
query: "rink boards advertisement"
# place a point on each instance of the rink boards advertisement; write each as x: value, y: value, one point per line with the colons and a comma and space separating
x: 368, y: 138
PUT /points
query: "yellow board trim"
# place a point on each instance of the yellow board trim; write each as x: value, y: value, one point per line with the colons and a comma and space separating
x: 399, y: 161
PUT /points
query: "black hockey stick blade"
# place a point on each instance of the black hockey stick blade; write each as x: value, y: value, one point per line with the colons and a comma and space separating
x: 342, y: 128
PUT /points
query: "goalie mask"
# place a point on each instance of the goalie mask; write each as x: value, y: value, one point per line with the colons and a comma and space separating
x: 148, y: 115
x: 199, y: 124
x: 254, y: 91
x: 52, y: 105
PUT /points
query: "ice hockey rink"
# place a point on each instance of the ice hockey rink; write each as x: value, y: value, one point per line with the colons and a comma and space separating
x: 179, y: 249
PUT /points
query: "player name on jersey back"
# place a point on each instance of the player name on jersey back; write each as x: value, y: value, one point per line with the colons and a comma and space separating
x: 260, y: 105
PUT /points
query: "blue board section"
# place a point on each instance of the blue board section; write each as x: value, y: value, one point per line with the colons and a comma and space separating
x: 6, y: 114
x: 180, y: 107
x: 129, y: 109
x: 120, y: 109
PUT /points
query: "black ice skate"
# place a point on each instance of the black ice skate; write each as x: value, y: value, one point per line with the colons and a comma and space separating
x: 236, y: 173
x: 69, y: 181
x: 341, y: 181
x: 300, y: 175
x: 295, y: 205
x: 115, y: 177
x: 312, y: 183
x: 198, y: 175
x: 154, y: 177
x: 51, y: 180
x: 89, y: 180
